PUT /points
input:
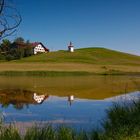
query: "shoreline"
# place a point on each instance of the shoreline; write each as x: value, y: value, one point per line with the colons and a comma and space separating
x: 66, y: 73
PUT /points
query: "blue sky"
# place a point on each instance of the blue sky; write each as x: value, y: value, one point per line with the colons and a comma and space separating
x: 113, y: 24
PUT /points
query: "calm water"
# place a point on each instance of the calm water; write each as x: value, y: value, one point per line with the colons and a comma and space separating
x: 76, y: 101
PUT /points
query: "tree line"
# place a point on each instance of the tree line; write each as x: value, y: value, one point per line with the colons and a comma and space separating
x: 17, y: 49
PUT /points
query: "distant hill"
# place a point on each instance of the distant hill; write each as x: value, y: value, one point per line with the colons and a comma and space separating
x: 87, y: 55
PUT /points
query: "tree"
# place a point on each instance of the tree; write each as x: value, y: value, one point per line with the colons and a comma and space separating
x: 5, y: 46
x: 10, y: 18
x: 28, y: 42
x: 28, y: 51
x: 19, y: 40
x: 6, y: 42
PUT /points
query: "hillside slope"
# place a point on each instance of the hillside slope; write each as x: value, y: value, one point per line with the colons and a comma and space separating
x: 87, y: 55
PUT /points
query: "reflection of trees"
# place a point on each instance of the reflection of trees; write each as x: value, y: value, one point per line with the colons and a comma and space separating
x: 5, y: 105
x: 17, y: 97
x: 20, y: 106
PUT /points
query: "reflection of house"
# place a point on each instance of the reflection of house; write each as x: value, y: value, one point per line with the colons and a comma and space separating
x: 18, y: 98
x: 39, y: 98
x: 71, y: 47
x: 70, y: 99
x: 38, y: 47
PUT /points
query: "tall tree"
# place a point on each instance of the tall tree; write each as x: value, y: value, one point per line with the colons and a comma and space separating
x: 5, y: 45
x: 6, y: 42
x: 19, y: 40
x: 10, y: 18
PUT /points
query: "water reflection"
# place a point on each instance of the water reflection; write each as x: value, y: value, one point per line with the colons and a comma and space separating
x: 40, y: 98
x: 23, y: 98
x: 73, y: 100
x: 20, y: 98
x: 83, y: 87
x: 70, y: 99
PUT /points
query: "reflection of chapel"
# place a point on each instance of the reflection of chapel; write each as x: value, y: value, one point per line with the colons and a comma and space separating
x: 71, y: 47
x: 70, y: 99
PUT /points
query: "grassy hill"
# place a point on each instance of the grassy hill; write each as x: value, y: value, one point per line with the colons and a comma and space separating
x: 82, y: 61
x: 87, y: 55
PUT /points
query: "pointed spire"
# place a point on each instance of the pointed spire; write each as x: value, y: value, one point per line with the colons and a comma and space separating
x: 70, y: 43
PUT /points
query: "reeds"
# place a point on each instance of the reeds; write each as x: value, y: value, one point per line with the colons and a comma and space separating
x: 123, y: 121
x: 9, y: 133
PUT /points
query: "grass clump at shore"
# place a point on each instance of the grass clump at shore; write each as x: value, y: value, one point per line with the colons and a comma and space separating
x: 9, y: 133
x: 61, y: 133
x: 45, y: 133
x: 45, y: 73
x: 122, y: 123
x: 63, y: 73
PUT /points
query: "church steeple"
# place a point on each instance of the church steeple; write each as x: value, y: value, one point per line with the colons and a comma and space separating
x: 71, y: 47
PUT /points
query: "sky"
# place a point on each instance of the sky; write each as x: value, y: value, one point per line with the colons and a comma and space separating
x: 113, y: 24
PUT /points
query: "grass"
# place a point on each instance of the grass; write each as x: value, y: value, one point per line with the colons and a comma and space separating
x: 87, y: 55
x: 122, y: 123
x: 9, y: 133
x: 45, y: 73
x: 92, y: 60
x: 64, y: 73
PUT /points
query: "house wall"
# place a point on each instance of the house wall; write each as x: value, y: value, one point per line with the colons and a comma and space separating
x: 39, y: 49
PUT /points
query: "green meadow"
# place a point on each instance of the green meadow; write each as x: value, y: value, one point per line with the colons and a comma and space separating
x: 85, y: 61
x: 100, y: 56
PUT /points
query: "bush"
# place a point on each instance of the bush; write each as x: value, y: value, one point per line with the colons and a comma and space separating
x: 9, y: 57
x: 2, y: 57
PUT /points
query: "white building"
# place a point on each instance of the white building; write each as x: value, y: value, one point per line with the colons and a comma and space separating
x: 71, y: 47
x: 38, y: 47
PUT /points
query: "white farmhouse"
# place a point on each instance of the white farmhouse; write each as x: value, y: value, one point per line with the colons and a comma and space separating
x: 38, y: 47
x: 71, y: 47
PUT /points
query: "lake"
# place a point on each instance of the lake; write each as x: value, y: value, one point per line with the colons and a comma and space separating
x: 79, y: 101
